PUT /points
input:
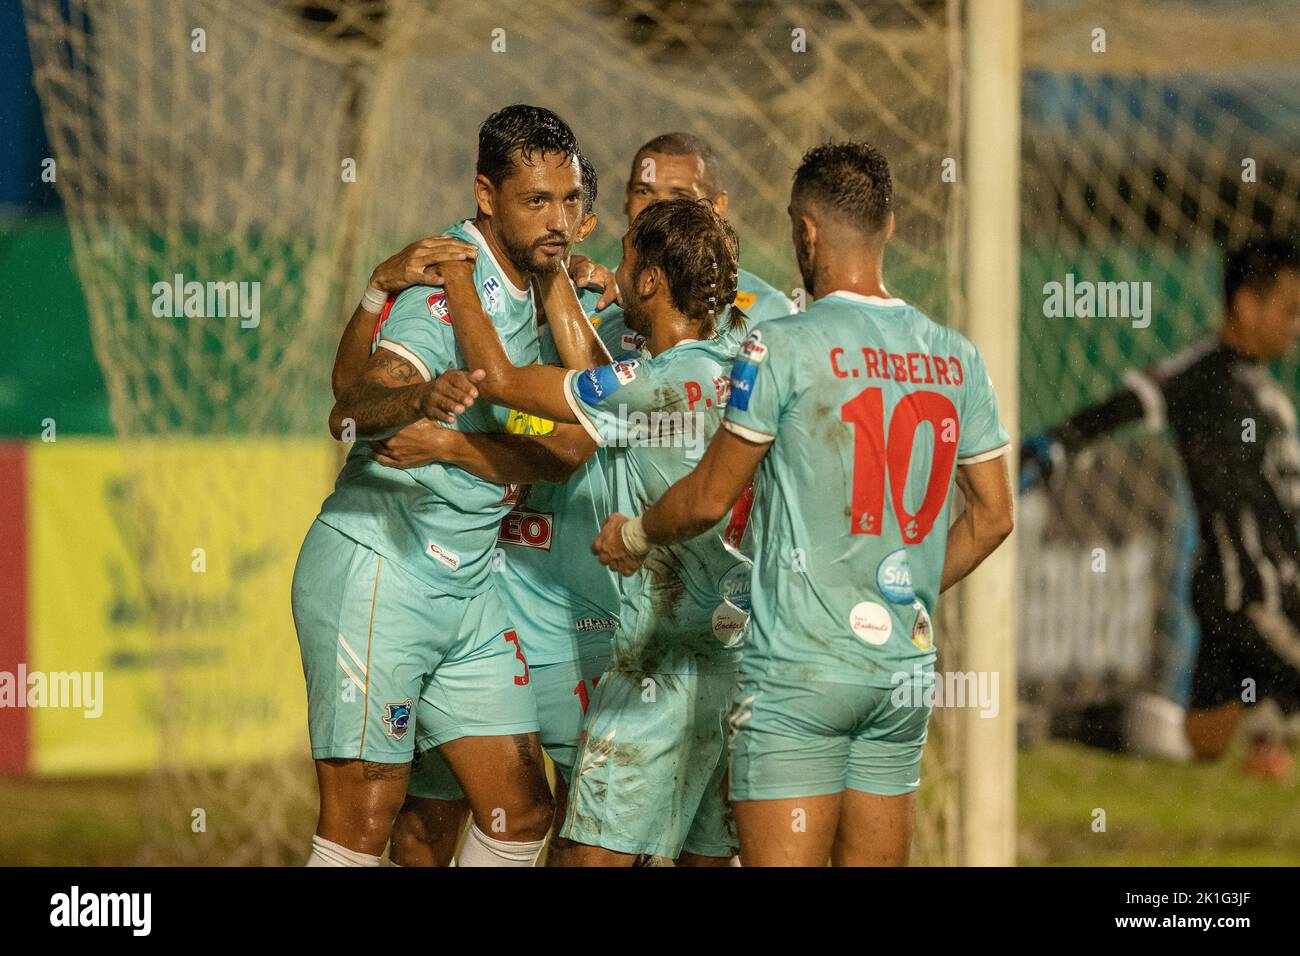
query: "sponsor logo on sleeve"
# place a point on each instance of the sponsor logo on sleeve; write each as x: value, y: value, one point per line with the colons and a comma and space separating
x: 492, y: 293
x: 597, y: 384
x: 871, y: 622
x: 744, y: 371
x: 438, y: 307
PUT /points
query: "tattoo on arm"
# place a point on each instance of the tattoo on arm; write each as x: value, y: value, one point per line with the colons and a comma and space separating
x: 384, y: 771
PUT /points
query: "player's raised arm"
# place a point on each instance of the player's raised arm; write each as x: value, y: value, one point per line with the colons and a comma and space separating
x: 689, y: 508
x: 575, y: 337
x: 391, y: 392
x: 984, y: 522
x: 537, y: 389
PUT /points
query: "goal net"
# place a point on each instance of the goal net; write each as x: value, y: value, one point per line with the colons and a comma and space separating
x: 1155, y: 136
x: 218, y: 141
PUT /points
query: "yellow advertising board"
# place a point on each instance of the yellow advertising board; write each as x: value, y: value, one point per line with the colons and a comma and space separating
x: 166, y: 566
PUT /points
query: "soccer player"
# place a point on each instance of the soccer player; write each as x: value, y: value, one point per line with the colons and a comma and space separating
x: 402, y: 638
x: 545, y: 572
x: 1236, y: 433
x: 682, y: 166
x: 649, y: 773
x: 857, y: 416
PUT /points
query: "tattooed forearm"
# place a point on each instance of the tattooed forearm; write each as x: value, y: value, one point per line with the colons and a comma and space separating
x: 387, y: 397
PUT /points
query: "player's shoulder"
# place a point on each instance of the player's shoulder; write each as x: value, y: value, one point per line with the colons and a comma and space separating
x: 419, y: 304
x: 760, y: 298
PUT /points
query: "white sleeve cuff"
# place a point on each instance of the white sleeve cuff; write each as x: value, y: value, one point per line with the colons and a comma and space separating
x: 985, y: 455
x: 410, y: 356
x: 578, y: 413
x: 758, y: 438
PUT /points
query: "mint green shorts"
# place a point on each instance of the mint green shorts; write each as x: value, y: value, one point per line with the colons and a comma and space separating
x: 810, y: 738
x: 390, y: 661
x: 651, y: 771
x: 563, y: 692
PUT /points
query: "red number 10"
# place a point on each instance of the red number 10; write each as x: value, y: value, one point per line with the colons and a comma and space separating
x: 877, y: 453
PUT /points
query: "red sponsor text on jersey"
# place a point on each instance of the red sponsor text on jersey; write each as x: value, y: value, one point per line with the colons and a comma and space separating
x: 528, y: 529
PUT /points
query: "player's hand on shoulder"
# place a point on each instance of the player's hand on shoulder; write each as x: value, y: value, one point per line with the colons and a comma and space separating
x: 589, y: 274
x: 419, y: 443
x: 450, y: 394
x: 611, y: 550
x: 421, y: 263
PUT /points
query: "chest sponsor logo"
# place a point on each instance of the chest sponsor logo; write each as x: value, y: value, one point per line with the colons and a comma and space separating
x: 528, y: 529
x: 439, y: 553
x: 871, y: 622
x: 584, y: 625
x: 522, y: 423
x: 729, y: 624
x: 438, y: 307
x: 745, y: 300
x: 734, y: 588
x: 894, y: 578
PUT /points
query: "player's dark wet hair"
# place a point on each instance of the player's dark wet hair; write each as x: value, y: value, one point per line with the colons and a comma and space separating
x: 699, y: 254
x: 589, y: 184
x: 850, y: 180
x: 686, y: 144
x: 529, y: 131
x: 1257, y: 264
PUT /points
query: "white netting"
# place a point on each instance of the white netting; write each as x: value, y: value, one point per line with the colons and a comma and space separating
x: 1142, y: 162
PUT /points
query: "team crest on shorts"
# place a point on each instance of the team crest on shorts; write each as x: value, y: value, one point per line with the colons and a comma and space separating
x: 397, y: 718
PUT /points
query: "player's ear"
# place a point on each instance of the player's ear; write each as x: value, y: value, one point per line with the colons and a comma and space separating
x: 648, y: 281
x: 889, y: 228
x: 483, y: 191
x: 588, y: 224
x: 720, y: 202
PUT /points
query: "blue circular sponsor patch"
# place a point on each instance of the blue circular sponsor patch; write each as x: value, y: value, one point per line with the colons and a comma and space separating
x: 894, y: 578
x: 734, y: 586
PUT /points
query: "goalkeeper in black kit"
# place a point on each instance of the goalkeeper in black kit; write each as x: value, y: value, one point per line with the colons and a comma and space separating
x: 1235, y: 429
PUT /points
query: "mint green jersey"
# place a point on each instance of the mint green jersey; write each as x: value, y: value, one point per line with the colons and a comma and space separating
x: 439, y: 522
x: 565, y: 598
x: 760, y: 300
x: 869, y: 408
x: 685, y: 610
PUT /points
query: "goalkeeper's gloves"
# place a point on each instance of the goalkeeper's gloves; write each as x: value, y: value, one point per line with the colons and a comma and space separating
x: 1041, y: 456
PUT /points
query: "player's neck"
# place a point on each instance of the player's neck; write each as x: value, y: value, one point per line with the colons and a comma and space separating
x: 520, y: 279
x: 859, y: 275
x: 1236, y: 339
x: 669, y: 328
